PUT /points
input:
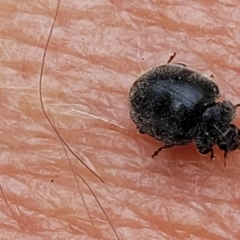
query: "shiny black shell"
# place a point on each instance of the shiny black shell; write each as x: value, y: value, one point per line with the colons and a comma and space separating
x: 176, y: 105
x: 167, y: 102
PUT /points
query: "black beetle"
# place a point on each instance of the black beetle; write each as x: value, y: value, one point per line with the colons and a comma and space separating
x: 176, y: 105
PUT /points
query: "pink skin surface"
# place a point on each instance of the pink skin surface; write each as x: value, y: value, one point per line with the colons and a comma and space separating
x: 96, y: 51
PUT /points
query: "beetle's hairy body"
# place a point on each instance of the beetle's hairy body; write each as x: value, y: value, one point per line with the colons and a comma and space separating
x: 167, y: 102
x: 176, y: 105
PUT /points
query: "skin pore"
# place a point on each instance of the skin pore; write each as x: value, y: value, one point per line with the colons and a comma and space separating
x: 95, y: 52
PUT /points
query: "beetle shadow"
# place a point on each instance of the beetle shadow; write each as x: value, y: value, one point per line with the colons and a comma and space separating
x: 184, y: 152
x: 188, y: 154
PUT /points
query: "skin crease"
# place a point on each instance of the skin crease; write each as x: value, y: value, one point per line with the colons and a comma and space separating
x: 95, y: 53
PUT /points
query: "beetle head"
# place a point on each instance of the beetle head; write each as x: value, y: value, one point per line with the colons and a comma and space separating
x: 228, y: 140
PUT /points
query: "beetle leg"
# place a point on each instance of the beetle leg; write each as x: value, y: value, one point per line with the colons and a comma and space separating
x: 171, y: 57
x: 237, y: 105
x: 139, y: 131
x: 212, y: 157
x: 165, y: 146
x: 206, y: 151
x: 225, y: 157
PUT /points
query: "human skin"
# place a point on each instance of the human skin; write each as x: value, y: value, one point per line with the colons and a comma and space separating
x: 96, y: 51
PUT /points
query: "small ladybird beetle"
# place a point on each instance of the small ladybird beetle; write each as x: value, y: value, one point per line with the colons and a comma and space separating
x: 176, y: 105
